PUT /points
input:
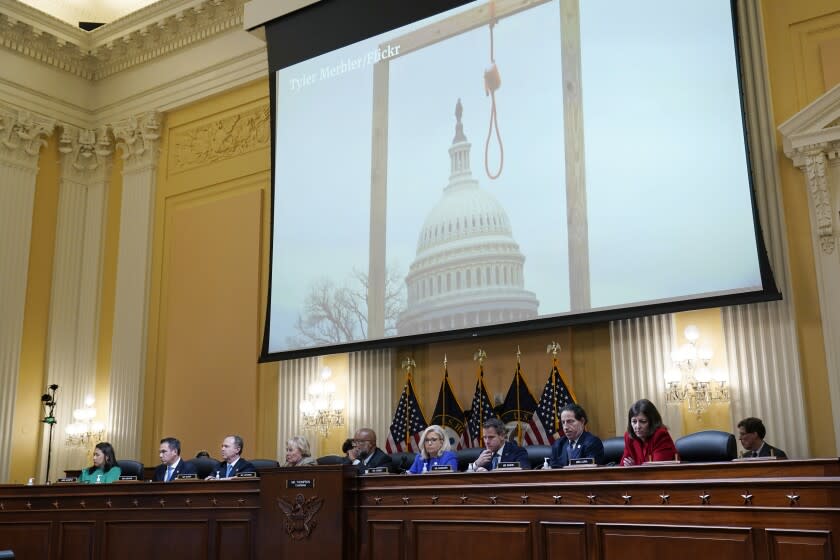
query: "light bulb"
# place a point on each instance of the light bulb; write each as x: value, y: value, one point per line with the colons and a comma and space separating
x: 672, y: 375
x: 89, y: 400
x: 326, y: 373
x: 692, y: 333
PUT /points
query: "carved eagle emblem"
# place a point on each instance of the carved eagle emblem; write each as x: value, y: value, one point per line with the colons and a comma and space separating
x: 300, y: 516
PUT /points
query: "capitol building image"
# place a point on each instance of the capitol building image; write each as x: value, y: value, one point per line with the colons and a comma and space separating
x: 468, y: 270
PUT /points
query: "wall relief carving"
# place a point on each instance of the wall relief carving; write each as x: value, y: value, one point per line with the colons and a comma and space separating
x: 221, y: 139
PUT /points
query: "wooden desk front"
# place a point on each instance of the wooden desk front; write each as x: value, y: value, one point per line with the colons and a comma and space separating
x: 772, y: 510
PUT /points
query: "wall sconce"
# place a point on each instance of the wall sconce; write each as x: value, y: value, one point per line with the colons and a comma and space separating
x: 690, y: 379
x: 85, y: 431
x: 323, y: 412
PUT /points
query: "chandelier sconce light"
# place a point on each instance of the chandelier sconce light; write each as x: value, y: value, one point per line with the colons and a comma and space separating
x: 322, y: 411
x: 85, y: 431
x: 690, y: 379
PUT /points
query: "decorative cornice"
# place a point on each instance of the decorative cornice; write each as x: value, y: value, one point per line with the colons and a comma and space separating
x: 22, y: 135
x: 85, y: 153
x: 157, y: 30
x: 818, y: 188
x: 221, y: 139
x: 139, y: 140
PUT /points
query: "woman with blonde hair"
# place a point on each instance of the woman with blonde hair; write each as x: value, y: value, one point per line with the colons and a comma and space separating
x: 434, y: 451
x: 297, y: 453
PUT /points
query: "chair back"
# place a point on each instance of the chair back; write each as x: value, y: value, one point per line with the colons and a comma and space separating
x: 263, y: 464
x: 204, y: 466
x: 402, y: 461
x: 708, y: 446
x: 129, y: 467
x: 613, y: 450
x: 537, y: 455
x: 467, y: 456
x: 331, y: 460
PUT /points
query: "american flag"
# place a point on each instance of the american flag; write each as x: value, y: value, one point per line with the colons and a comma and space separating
x: 408, y: 423
x: 450, y: 416
x: 482, y: 409
x: 545, y: 424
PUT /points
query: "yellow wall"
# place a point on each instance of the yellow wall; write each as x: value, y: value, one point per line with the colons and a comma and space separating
x: 27, y: 426
x: 208, y: 271
x: 797, y: 36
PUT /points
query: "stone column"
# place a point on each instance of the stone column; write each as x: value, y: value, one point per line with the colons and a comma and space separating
x: 22, y: 136
x: 138, y: 138
x: 77, y: 273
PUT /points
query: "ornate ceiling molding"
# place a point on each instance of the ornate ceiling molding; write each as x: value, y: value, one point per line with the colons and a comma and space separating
x: 149, y: 33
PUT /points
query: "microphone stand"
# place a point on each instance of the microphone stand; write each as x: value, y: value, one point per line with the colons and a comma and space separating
x: 48, y: 399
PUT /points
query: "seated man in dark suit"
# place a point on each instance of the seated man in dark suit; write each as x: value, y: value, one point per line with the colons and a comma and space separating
x: 577, y: 443
x: 171, y: 464
x: 751, y: 432
x: 498, y: 450
x: 232, y: 462
x: 365, y: 455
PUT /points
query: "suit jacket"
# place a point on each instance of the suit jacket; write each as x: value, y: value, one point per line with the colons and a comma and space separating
x: 512, y: 453
x: 765, y: 451
x: 181, y: 468
x: 241, y: 465
x: 588, y: 445
x: 659, y: 447
x: 378, y: 459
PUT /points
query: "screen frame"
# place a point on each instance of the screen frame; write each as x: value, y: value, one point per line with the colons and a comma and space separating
x: 289, y: 41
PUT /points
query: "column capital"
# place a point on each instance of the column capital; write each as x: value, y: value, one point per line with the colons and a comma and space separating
x: 85, y: 153
x: 22, y: 135
x: 138, y: 137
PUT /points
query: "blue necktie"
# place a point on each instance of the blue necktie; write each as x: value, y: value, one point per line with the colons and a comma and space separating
x: 229, y: 469
x: 494, y: 461
x: 168, y: 473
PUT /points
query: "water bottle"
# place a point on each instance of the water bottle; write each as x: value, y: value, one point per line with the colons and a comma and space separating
x: 99, y: 479
x: 471, y: 467
x: 217, y: 475
x: 30, y: 482
x: 425, y: 469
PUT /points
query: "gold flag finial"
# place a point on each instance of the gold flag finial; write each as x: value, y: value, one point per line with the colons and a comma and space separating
x: 444, y: 361
x: 408, y: 364
x: 553, y: 349
x: 479, y: 355
x: 518, y: 354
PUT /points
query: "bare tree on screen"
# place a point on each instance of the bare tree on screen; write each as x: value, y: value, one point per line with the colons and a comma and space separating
x: 338, y: 314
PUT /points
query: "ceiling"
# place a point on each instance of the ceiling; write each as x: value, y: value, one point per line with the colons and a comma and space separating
x: 100, y: 11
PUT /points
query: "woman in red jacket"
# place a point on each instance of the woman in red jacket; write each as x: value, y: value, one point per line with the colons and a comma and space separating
x: 646, y: 439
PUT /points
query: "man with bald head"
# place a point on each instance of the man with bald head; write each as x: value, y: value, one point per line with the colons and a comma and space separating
x: 365, y: 455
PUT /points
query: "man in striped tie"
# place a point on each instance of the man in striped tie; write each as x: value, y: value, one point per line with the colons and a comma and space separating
x: 171, y: 464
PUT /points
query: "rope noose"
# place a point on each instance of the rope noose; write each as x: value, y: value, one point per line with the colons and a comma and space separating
x: 492, y: 82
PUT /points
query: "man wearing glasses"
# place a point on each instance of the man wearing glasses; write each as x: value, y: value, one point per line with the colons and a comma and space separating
x: 365, y: 455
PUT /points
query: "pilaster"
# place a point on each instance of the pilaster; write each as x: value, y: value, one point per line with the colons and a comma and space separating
x: 138, y: 138
x: 77, y: 271
x: 22, y: 135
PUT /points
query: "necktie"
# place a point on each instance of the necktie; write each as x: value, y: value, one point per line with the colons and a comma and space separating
x: 494, y: 461
x: 755, y: 453
x: 168, y: 473
x: 572, y: 451
x: 229, y: 469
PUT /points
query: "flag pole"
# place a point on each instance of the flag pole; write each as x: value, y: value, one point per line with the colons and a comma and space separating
x: 480, y: 355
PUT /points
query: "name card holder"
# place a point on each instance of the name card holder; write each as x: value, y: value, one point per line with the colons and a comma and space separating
x: 582, y: 462
x: 247, y: 475
x: 190, y: 476
x: 127, y: 477
x: 377, y: 470
x: 509, y: 466
x: 441, y: 468
x: 67, y: 479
